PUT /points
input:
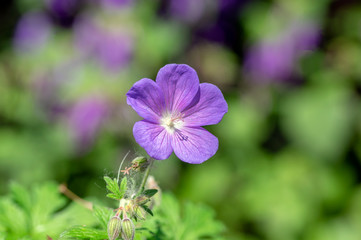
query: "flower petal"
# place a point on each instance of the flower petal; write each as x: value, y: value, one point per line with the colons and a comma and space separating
x: 210, y: 108
x: 154, y: 139
x: 195, y: 145
x: 147, y: 99
x: 180, y: 85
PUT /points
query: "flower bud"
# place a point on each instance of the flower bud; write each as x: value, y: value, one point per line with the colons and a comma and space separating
x: 139, y: 163
x: 128, y: 229
x: 139, y: 212
x: 114, y: 227
x: 139, y: 160
x: 141, y: 200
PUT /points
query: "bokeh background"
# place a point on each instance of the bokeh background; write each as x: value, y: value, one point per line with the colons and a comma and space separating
x: 289, y: 162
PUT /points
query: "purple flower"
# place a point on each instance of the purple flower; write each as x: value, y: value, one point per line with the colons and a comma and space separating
x: 226, y: 4
x: 270, y: 61
x: 275, y: 59
x: 188, y: 11
x: 174, y: 108
x: 85, y: 119
x: 63, y: 11
x: 111, y: 4
x: 112, y: 48
x: 32, y: 32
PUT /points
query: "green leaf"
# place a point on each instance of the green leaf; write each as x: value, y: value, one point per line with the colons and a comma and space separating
x: 46, y: 201
x: 113, y: 187
x: 147, y: 209
x: 32, y: 215
x: 112, y: 184
x: 103, y: 214
x: 112, y: 195
x: 318, y: 120
x: 80, y: 232
x: 13, y: 219
x: 73, y: 214
x: 150, y: 192
x: 173, y: 220
x: 21, y: 196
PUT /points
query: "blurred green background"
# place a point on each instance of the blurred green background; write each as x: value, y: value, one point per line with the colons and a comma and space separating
x: 289, y: 161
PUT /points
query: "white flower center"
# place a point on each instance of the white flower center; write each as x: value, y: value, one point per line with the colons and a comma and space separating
x: 171, y: 122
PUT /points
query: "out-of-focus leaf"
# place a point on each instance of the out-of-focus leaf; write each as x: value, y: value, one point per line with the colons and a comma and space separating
x: 355, y: 208
x: 318, y: 120
x: 199, y: 181
x: 80, y: 232
x: 189, y: 221
x: 243, y: 126
x: 103, y: 214
x: 162, y: 40
x: 73, y: 214
x: 13, y: 219
x: 21, y: 196
x: 46, y: 200
x: 34, y: 214
x: 336, y: 229
x: 280, y: 182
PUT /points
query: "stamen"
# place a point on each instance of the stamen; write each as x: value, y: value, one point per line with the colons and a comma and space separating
x: 172, y: 123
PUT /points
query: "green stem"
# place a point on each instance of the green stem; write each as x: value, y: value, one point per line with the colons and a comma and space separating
x: 146, y: 175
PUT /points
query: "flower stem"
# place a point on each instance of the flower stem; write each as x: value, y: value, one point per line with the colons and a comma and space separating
x: 65, y: 190
x: 145, y: 177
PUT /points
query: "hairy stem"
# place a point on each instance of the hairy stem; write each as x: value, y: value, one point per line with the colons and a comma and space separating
x: 121, y: 164
x: 146, y: 175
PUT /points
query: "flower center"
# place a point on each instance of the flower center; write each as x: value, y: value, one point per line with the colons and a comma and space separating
x: 173, y: 123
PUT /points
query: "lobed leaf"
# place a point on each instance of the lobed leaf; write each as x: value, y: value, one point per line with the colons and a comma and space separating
x: 103, y: 214
x: 184, y: 221
x: 73, y: 214
x: 81, y: 232
x: 13, y: 218
x: 33, y: 214
x: 113, y: 187
x: 112, y: 195
x: 21, y: 196
x: 46, y: 200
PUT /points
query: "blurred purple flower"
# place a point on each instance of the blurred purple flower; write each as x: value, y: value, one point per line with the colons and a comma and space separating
x: 214, y: 32
x: 222, y: 28
x: 47, y: 88
x: 46, y: 91
x: 275, y: 59
x: 174, y: 108
x: 187, y: 10
x: 85, y: 119
x: 306, y: 36
x: 226, y: 4
x: 111, y: 4
x: 113, y: 49
x: 269, y: 60
x: 63, y: 11
x: 32, y: 32
x: 192, y: 11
